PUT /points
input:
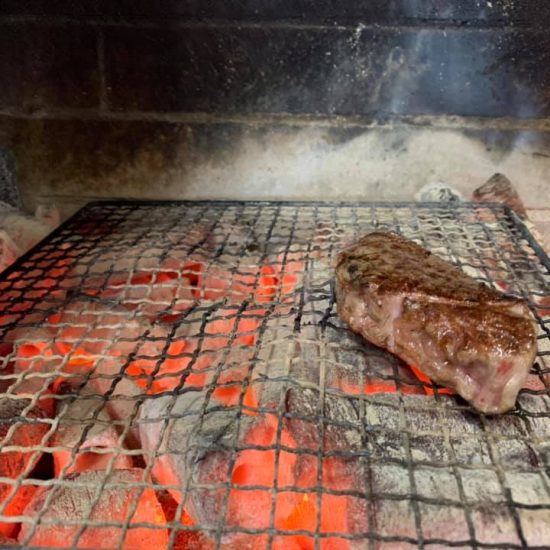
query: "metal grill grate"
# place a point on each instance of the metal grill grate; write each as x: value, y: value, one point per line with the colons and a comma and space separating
x: 180, y: 368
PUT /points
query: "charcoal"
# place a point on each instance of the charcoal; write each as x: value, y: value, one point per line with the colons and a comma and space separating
x: 195, y: 450
x: 193, y: 447
x: 124, y: 397
x: 386, y: 478
x: 7, y: 541
x: 204, y: 342
x: 77, y: 502
x: 471, y: 450
x: 340, y: 419
x: 495, y: 524
x: 15, y: 506
x: 22, y: 428
x: 85, y: 428
x: 429, y: 448
x: 535, y: 525
x: 481, y: 486
x: 394, y: 518
x: 9, y: 251
x: 529, y: 488
x: 443, y: 522
x: 438, y: 483
x: 509, y: 442
x: 438, y: 192
x: 467, y: 441
x: 80, y: 334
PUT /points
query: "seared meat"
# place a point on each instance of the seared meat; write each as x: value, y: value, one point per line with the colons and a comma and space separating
x: 461, y: 333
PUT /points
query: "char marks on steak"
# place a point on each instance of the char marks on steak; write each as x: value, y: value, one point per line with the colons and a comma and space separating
x: 461, y: 333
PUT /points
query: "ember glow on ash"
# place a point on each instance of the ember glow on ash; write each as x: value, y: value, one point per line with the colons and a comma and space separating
x: 75, y: 341
x: 143, y: 387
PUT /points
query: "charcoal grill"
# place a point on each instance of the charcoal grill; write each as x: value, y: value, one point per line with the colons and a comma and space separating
x: 426, y: 470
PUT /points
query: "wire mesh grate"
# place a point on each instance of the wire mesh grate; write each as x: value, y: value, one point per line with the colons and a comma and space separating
x: 175, y: 375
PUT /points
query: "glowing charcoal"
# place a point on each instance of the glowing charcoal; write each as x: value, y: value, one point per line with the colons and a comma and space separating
x: 80, y: 502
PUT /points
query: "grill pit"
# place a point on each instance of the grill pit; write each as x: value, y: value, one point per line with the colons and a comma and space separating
x: 186, y: 360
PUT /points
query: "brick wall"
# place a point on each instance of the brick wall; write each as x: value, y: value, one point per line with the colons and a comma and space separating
x: 273, y: 98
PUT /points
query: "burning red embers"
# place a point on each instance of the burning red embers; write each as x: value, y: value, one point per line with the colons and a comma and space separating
x: 125, y: 324
x: 210, y: 399
x: 119, y: 499
x: 25, y: 436
x: 129, y: 323
x: 193, y: 452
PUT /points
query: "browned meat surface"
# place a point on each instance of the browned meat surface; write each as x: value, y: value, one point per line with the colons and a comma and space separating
x: 461, y: 333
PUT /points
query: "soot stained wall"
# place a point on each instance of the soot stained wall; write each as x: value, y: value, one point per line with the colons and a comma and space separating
x: 112, y: 98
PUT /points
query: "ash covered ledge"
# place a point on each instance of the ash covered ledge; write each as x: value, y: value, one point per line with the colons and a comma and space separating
x: 19, y: 232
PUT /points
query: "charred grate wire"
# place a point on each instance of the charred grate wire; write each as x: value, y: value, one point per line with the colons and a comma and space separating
x: 175, y: 375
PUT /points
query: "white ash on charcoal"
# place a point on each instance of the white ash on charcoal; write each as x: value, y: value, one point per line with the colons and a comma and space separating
x: 466, y: 436
x: 495, y: 524
x: 122, y: 406
x: 438, y: 192
x: 308, y: 412
x: 471, y: 449
x: 87, y: 438
x: 441, y: 521
x: 19, y: 231
x: 200, y: 435
x: 535, y: 418
x: 192, y: 438
x: 307, y: 416
x: 534, y: 524
x: 24, y: 427
x: 195, y: 447
x: 391, y: 509
x: 432, y: 482
x: 21, y: 425
x: 481, y: 485
x: 435, y: 434
x: 438, y: 433
x: 529, y: 488
x: 92, y: 496
x: 510, y: 441
x: 483, y: 493
x: 313, y: 422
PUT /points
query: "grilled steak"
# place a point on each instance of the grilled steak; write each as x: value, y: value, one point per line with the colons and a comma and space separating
x: 461, y: 333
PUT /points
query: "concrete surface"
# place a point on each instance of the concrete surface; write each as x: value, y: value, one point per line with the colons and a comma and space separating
x: 540, y: 222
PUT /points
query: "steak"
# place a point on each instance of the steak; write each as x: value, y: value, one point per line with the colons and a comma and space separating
x: 461, y: 333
